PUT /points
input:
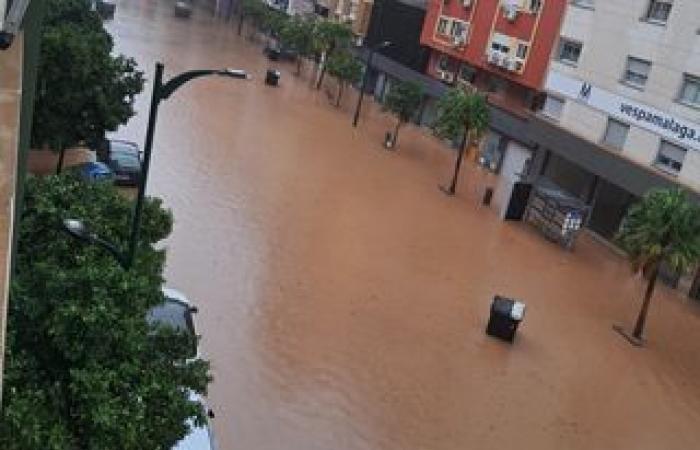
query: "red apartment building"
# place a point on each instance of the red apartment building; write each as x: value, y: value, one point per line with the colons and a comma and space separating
x: 500, y: 46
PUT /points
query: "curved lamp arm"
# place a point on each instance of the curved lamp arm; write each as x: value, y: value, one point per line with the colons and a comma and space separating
x: 178, y: 80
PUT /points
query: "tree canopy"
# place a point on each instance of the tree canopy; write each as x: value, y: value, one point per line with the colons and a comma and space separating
x: 663, y: 228
x: 297, y: 33
x: 403, y: 100
x: 83, y: 90
x: 460, y: 111
x: 346, y: 68
x: 84, y: 370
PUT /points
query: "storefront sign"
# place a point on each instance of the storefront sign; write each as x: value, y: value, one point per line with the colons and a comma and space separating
x: 684, y: 132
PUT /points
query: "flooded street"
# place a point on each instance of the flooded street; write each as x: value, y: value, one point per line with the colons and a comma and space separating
x: 343, y: 298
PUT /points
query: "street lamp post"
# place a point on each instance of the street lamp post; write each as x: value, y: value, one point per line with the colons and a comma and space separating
x: 80, y: 231
x: 161, y: 91
x: 365, y: 79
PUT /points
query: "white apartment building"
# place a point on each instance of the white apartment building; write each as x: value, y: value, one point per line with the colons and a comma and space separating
x: 626, y: 74
x: 624, y: 80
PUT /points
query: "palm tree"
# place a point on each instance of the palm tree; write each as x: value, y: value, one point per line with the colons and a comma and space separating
x: 403, y: 101
x: 461, y: 114
x: 663, y: 228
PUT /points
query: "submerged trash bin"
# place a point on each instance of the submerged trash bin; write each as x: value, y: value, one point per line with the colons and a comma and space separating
x: 272, y: 77
x: 183, y: 8
x: 506, y: 315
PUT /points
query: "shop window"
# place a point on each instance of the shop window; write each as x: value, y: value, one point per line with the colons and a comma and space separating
x: 491, y: 154
x: 569, y: 51
x: 636, y: 72
x: 553, y: 107
x: 467, y: 73
x: 588, y: 4
x: 670, y: 157
x: 443, y: 63
x: 690, y: 91
x: 443, y: 24
x: 615, y: 134
x: 658, y: 11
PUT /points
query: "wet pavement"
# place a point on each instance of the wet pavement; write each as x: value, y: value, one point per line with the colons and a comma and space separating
x: 343, y: 298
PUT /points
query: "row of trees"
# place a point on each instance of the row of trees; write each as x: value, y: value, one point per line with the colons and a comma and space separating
x: 83, y: 89
x: 84, y: 369
x: 461, y: 115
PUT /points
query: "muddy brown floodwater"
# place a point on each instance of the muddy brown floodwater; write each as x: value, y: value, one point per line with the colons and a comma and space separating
x: 343, y: 298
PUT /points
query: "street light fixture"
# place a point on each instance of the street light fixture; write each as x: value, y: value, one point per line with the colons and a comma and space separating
x: 161, y: 91
x: 365, y: 78
x: 77, y: 229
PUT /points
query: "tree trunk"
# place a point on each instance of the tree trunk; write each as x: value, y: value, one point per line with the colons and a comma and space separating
x: 299, y: 62
x: 321, y: 75
x: 641, y: 319
x: 59, y: 166
x: 458, y: 163
x: 340, y: 94
x: 240, y: 22
x: 395, y: 138
x: 324, y: 60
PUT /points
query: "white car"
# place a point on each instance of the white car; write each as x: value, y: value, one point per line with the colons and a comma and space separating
x: 177, y: 312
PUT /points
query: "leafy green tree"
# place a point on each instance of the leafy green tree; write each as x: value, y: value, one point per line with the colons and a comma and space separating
x: 464, y: 115
x: 663, y: 228
x: 273, y: 22
x: 252, y: 10
x: 346, y: 69
x: 297, y: 33
x: 84, y: 370
x: 330, y: 36
x: 403, y: 101
x: 83, y: 90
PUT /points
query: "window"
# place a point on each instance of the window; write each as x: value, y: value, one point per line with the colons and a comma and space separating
x: 690, y: 92
x: 443, y: 63
x: 636, y: 71
x: 615, y: 133
x: 584, y: 3
x: 659, y: 10
x: 569, y: 51
x: 670, y: 157
x: 459, y: 29
x: 443, y: 23
x: 553, y: 107
x: 535, y: 5
x: 500, y: 48
x: 522, y: 51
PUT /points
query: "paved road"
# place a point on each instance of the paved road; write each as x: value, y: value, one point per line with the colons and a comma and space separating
x: 343, y: 298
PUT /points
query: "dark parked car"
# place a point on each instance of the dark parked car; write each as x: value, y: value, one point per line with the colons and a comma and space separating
x: 275, y: 51
x: 124, y: 158
x: 176, y: 312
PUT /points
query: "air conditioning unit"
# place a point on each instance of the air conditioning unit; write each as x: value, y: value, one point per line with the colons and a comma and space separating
x: 509, y: 63
x: 494, y: 57
x: 459, y: 41
x: 467, y: 3
x: 510, y: 12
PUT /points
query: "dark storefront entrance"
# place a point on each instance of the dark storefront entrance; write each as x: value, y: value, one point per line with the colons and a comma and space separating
x: 610, y: 206
x: 609, y: 202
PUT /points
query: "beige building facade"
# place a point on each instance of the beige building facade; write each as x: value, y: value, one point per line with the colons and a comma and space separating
x: 626, y: 75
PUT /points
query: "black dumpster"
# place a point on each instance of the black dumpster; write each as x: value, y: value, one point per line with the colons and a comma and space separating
x: 272, y: 77
x: 506, y: 315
